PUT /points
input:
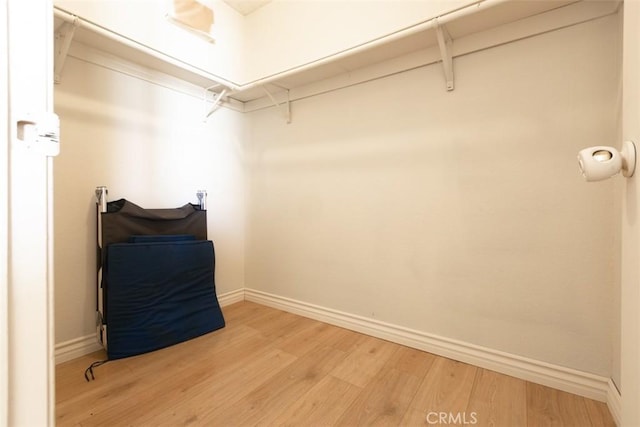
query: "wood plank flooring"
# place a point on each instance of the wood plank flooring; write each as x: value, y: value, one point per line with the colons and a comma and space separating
x: 272, y: 368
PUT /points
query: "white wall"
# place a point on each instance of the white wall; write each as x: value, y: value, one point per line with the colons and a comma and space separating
x: 630, y: 313
x: 616, y: 347
x: 4, y: 220
x: 147, y: 144
x: 460, y: 214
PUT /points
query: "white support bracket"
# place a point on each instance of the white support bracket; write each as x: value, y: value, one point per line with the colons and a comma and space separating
x: 284, y: 106
x: 62, y: 43
x: 445, y: 44
x: 217, y: 99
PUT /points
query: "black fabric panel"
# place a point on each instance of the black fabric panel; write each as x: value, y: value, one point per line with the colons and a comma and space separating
x: 159, y: 294
x: 155, y: 238
x: 124, y: 219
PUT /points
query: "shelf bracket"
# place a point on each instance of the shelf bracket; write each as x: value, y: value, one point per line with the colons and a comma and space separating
x: 446, y: 52
x: 63, y: 43
x: 217, y: 100
x: 284, y: 106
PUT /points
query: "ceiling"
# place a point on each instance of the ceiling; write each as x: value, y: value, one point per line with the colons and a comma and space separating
x: 245, y: 7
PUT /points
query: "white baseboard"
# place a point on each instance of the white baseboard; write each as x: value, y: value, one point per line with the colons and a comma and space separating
x: 232, y: 297
x: 77, y: 347
x: 558, y: 377
x: 614, y: 402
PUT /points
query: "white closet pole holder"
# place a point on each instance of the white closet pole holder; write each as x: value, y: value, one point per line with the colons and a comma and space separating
x: 446, y: 52
x: 285, y: 107
x: 63, y: 43
x: 217, y: 99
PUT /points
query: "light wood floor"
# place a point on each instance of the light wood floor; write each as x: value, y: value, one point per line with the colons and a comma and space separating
x: 272, y: 368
